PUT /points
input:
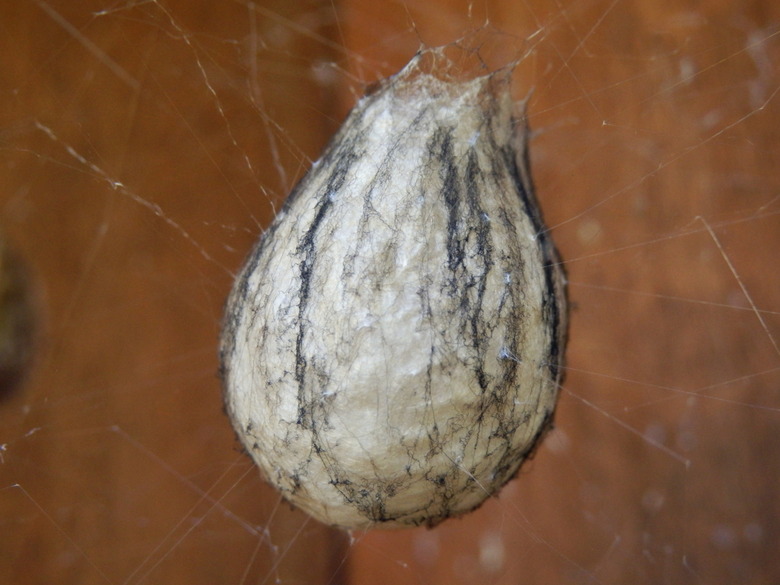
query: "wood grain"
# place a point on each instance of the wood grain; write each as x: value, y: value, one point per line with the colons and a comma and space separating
x: 145, y: 145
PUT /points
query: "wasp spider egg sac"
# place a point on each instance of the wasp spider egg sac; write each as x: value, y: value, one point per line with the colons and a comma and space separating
x: 392, y: 347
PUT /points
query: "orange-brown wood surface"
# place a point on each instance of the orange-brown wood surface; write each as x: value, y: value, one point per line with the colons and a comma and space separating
x: 145, y: 145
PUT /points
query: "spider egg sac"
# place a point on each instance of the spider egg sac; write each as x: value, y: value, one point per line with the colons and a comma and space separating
x: 392, y: 348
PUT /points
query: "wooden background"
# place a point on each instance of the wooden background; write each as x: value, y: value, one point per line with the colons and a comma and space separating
x: 144, y: 145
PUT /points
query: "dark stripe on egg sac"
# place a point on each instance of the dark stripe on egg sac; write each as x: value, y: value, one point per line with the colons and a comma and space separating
x: 307, y: 250
x: 554, y: 288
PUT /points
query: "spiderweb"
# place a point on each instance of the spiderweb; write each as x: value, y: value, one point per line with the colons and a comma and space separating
x: 146, y: 144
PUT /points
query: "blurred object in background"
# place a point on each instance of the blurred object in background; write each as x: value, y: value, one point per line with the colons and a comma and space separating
x: 17, y: 319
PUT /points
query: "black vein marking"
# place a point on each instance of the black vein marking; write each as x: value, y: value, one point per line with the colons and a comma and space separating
x: 484, y: 252
x: 307, y: 250
x: 554, y: 290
